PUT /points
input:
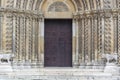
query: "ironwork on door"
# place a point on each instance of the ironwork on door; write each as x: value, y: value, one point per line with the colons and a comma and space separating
x: 58, y: 43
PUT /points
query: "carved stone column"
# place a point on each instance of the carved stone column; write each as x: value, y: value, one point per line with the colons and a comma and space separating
x: 80, y: 37
x: 108, y: 32
x: 115, y: 30
x: 119, y: 37
x: 75, y: 42
x: 103, y: 27
x: 21, y: 38
x: 89, y: 26
x: 14, y: 18
x: 27, y: 39
x: 41, y: 41
x: 100, y: 36
x: 1, y: 31
x: 115, y: 17
x: 83, y: 35
x: 33, y: 41
x: 95, y: 37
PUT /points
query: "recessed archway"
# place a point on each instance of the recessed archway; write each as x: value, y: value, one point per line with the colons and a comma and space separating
x: 60, y: 9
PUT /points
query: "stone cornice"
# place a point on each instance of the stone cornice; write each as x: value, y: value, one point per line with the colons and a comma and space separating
x: 18, y: 11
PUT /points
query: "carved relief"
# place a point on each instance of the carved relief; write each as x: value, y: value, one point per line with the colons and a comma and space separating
x: 10, y: 3
x: 25, y: 4
x: 99, y: 36
x: 108, y: 35
x: 107, y: 4
x: 93, y: 40
x: 80, y: 30
x: 9, y: 30
x: 82, y: 45
x: 58, y: 7
x: 30, y: 39
x: 86, y: 39
x: 22, y: 38
x: 18, y: 3
x: 119, y: 37
x: 25, y: 38
x: 17, y: 36
x: 95, y: 37
x: 31, y: 4
x: 98, y: 4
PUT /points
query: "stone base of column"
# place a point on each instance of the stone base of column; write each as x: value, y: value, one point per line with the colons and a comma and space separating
x: 40, y: 65
x: 75, y: 65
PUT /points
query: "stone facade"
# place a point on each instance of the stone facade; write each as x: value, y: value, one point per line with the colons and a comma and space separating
x: 95, y: 28
x: 95, y: 32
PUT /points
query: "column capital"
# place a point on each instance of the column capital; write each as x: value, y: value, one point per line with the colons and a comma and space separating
x: 76, y: 17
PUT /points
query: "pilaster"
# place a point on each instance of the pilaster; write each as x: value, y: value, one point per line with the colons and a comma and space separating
x: 115, y: 31
x: 41, y: 41
x: 75, y: 41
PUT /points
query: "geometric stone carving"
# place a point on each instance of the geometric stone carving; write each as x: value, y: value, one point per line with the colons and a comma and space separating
x: 25, y: 38
x: 9, y: 30
x: 118, y: 37
x: 18, y: 3
x: 24, y: 4
x: 108, y: 35
x: 86, y: 28
x: 107, y: 4
x: 10, y: 3
x: 95, y: 37
x: 58, y: 7
x: 99, y: 35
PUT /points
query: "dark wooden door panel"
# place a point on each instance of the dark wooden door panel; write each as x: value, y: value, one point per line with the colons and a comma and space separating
x: 58, y: 43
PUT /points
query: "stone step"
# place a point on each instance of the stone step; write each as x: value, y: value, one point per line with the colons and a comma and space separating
x: 56, y: 74
x: 54, y: 77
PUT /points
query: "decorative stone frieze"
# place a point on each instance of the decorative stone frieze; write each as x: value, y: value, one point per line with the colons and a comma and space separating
x: 18, y: 11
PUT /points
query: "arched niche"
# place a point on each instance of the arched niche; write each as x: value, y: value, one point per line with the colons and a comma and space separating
x: 58, y: 8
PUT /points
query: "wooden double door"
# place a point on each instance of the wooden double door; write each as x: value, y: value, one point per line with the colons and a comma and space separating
x: 58, y: 43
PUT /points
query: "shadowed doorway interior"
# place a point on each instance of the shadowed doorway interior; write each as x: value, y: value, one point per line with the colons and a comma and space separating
x: 58, y: 43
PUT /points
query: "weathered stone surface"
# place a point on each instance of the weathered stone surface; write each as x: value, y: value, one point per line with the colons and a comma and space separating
x: 95, y: 30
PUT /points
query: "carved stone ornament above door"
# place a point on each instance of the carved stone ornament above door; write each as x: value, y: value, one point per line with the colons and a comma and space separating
x: 58, y: 6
